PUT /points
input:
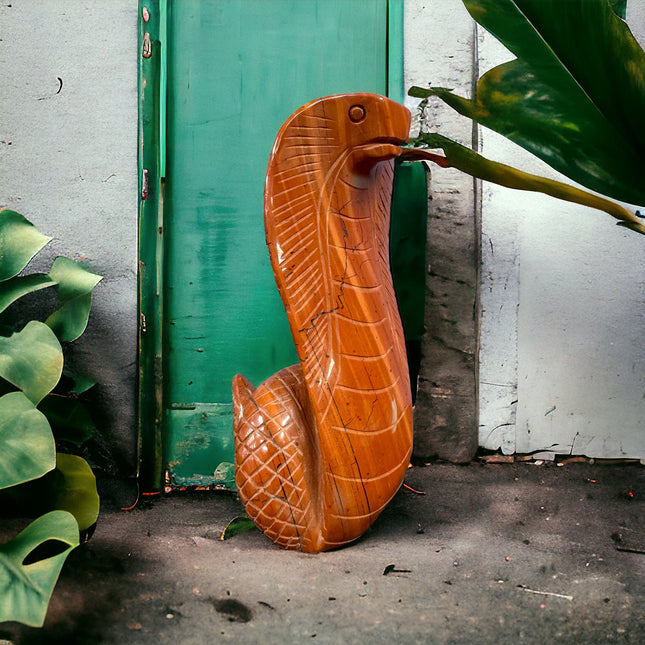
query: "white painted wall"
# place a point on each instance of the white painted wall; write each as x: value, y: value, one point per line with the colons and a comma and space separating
x: 562, y: 354
x: 68, y: 162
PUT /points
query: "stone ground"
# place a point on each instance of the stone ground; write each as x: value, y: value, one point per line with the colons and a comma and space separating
x: 504, y: 553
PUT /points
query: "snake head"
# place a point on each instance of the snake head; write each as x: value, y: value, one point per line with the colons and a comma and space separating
x: 342, y: 136
x: 333, y: 125
x: 372, y: 126
x: 369, y: 128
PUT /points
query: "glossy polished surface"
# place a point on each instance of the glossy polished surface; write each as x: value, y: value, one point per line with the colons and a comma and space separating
x: 321, y: 447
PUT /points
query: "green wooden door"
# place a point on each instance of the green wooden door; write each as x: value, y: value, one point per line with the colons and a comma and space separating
x: 236, y: 69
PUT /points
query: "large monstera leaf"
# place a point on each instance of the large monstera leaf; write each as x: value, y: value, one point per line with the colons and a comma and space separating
x: 32, y: 359
x: 71, y: 487
x: 28, y: 449
x: 575, y: 94
x: 75, y: 490
x: 20, y: 240
x: 30, y: 565
x: 75, y: 285
x: 18, y: 286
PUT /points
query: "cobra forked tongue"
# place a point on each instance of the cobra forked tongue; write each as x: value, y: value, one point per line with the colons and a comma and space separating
x: 380, y: 150
x: 421, y: 154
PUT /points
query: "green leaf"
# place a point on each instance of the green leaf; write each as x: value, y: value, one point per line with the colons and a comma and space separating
x: 75, y: 286
x: 74, y: 490
x: 32, y: 360
x: 72, y: 383
x: 225, y: 474
x: 574, y: 97
x: 466, y: 160
x: 71, y: 487
x: 14, y: 288
x: 27, y: 444
x: 237, y: 525
x: 69, y: 418
x: 26, y: 583
x: 81, y: 383
x: 20, y: 240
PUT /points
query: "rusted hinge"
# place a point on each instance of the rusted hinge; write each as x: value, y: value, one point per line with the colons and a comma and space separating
x: 147, y: 46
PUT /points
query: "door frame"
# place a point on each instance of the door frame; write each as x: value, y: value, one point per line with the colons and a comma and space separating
x: 153, y: 38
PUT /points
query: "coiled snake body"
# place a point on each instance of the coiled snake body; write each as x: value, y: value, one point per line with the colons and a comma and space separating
x: 321, y: 447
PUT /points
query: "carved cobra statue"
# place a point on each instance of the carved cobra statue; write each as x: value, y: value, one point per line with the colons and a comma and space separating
x: 321, y: 447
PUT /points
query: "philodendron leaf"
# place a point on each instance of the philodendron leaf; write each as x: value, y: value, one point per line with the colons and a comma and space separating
x: 81, y: 383
x: 26, y: 580
x: 74, y: 489
x: 14, y: 288
x: 575, y: 95
x: 20, y: 240
x: 75, y: 286
x: 71, y: 487
x: 466, y: 160
x: 32, y: 359
x: 28, y: 449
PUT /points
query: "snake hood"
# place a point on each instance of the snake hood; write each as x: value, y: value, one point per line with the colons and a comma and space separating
x: 336, y: 126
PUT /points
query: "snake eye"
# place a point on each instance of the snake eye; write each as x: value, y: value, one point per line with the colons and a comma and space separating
x: 356, y: 113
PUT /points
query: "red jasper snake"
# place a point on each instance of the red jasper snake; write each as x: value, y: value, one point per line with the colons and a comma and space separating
x: 321, y: 447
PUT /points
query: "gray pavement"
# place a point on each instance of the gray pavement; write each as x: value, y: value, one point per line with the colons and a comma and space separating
x: 508, y: 553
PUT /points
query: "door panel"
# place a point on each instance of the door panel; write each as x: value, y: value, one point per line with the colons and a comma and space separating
x: 236, y: 70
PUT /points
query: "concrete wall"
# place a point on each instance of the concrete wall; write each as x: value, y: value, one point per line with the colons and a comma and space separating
x: 68, y: 162
x: 562, y: 349
x: 438, y: 49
